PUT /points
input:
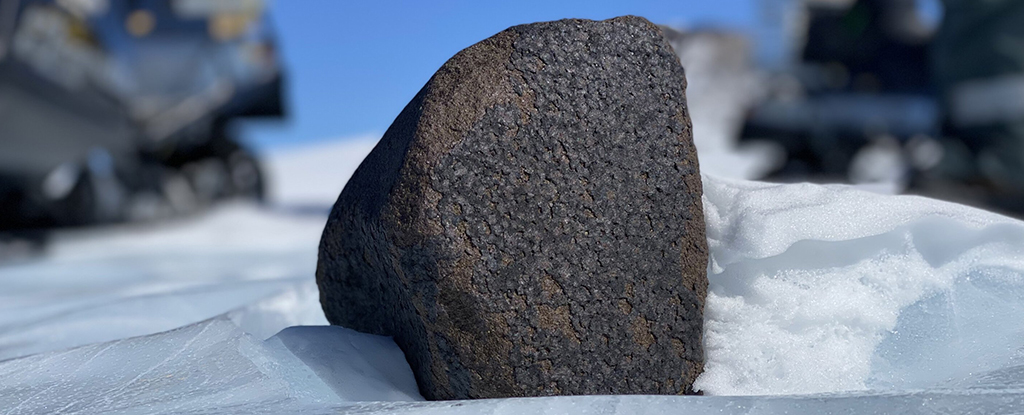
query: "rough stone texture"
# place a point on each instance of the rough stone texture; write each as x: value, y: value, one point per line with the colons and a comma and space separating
x: 531, y: 222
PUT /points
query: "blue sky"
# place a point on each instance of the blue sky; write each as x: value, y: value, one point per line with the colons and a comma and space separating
x: 352, y: 65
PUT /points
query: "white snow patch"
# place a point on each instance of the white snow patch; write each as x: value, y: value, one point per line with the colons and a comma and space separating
x: 828, y: 288
x: 95, y: 286
x: 315, y: 174
x: 722, y: 85
x: 358, y: 367
x: 210, y: 366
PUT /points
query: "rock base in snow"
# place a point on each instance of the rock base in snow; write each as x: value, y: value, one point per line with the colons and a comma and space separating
x: 531, y: 223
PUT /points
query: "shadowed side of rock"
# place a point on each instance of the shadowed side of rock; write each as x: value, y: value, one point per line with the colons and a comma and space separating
x: 531, y: 224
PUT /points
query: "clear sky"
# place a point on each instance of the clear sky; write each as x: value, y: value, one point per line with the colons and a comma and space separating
x: 353, y: 64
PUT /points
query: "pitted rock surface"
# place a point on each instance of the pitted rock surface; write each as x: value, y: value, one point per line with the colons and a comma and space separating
x: 531, y: 223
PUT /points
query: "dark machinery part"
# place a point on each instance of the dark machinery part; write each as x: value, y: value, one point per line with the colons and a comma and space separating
x: 863, y: 81
x: 879, y: 97
x: 119, y: 110
x: 978, y: 63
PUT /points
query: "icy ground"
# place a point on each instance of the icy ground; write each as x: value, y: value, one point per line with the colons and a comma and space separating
x: 823, y: 299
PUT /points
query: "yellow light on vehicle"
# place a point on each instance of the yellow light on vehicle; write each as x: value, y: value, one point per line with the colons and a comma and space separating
x: 208, y: 8
x: 140, y: 23
x: 228, y: 26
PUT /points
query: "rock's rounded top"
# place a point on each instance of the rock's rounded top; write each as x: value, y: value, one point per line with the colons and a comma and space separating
x: 481, y: 75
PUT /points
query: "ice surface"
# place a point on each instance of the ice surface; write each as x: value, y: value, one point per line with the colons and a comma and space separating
x: 210, y: 366
x: 822, y: 299
x: 934, y: 402
x: 197, y: 367
x: 137, y: 280
x: 358, y: 367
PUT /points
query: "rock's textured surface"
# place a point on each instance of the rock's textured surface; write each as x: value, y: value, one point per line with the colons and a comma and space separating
x: 531, y: 223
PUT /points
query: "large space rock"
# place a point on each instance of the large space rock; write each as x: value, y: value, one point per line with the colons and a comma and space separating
x: 531, y: 222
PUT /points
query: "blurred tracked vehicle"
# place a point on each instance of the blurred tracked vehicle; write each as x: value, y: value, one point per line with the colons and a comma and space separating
x: 119, y: 110
x: 858, y: 93
x: 884, y: 92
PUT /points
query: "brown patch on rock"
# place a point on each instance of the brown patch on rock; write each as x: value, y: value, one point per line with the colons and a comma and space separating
x: 625, y: 307
x: 557, y: 319
x: 642, y: 332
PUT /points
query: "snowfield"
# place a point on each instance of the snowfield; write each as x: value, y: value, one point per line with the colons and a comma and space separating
x: 823, y: 299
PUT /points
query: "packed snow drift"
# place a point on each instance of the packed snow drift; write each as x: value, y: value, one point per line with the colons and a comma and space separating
x: 822, y: 299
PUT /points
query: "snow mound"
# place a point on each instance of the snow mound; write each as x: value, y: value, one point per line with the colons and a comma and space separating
x: 828, y: 288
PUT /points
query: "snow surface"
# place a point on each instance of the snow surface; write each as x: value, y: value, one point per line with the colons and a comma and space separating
x: 829, y: 288
x: 314, y: 175
x: 131, y: 281
x: 822, y: 299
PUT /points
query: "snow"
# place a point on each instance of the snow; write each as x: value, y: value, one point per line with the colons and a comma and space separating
x: 828, y: 288
x: 315, y: 175
x: 211, y: 365
x: 132, y: 281
x: 357, y: 367
x: 822, y: 299
x: 722, y: 85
